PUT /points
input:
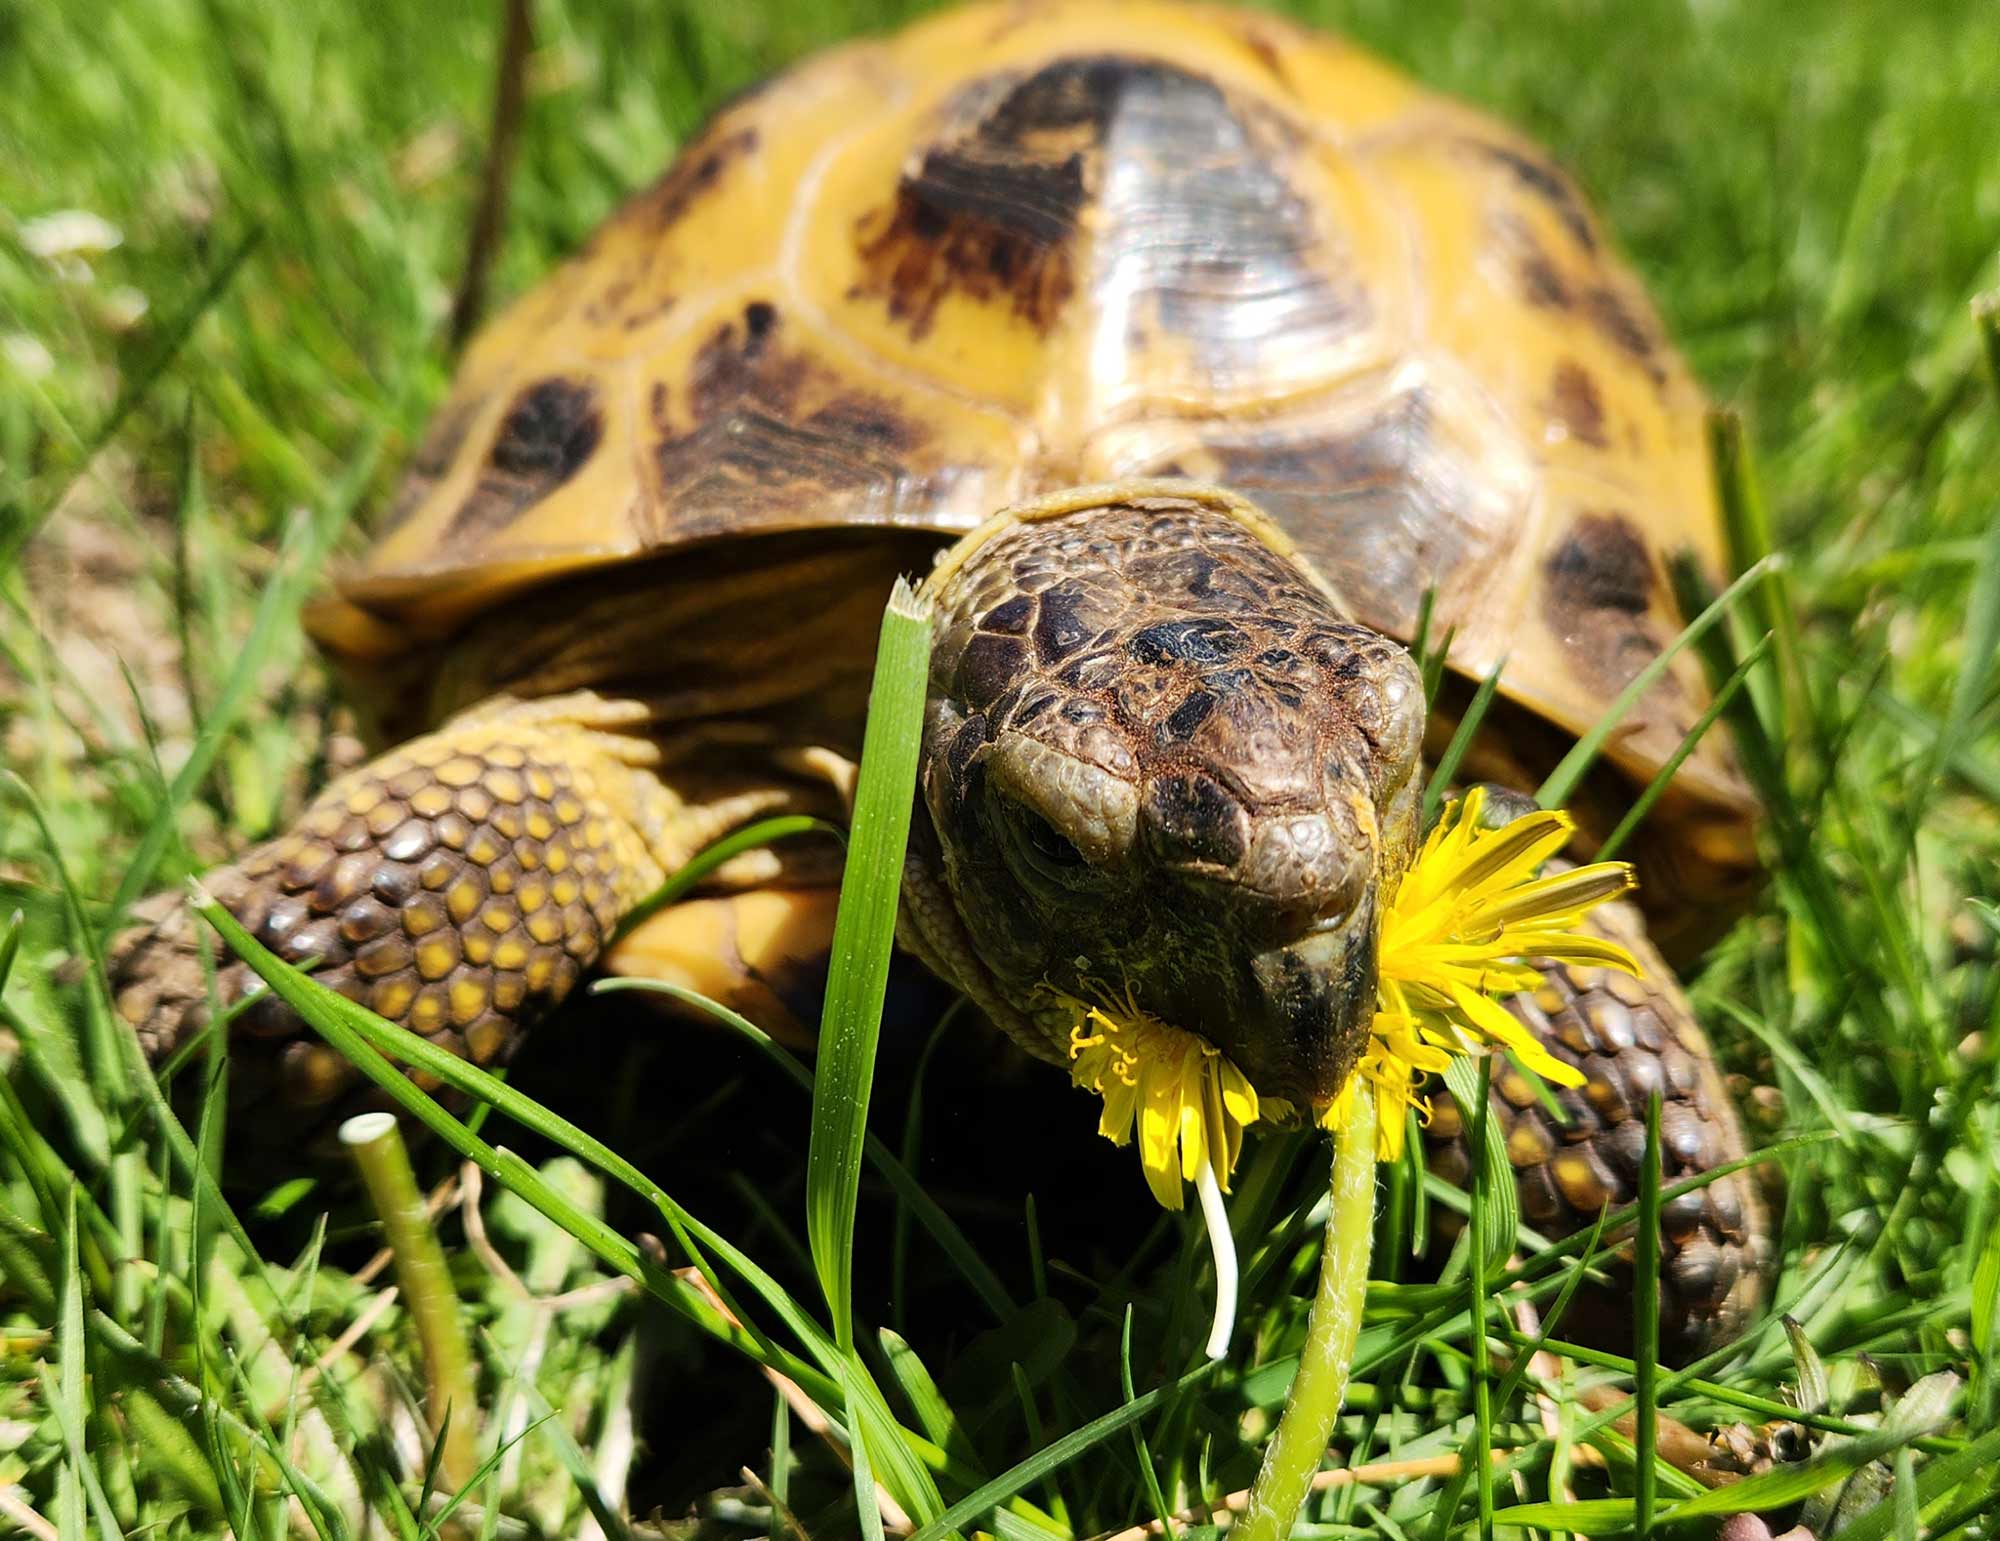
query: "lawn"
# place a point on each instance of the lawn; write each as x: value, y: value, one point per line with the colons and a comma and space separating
x: 207, y: 386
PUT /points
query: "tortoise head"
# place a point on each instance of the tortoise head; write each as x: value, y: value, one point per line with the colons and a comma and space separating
x: 1160, y: 768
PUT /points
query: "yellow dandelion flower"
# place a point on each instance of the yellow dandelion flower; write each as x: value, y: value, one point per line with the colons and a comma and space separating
x: 1456, y: 932
x: 1187, y: 1100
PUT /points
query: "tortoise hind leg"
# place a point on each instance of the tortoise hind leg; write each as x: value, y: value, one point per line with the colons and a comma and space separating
x: 459, y: 885
x: 1629, y: 1037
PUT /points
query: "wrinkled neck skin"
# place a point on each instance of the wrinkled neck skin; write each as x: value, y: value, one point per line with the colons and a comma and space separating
x: 1160, y: 769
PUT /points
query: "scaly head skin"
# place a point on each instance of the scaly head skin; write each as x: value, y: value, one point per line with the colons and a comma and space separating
x: 1161, y: 769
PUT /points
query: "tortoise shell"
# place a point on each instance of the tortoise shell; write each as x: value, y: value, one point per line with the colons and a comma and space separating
x: 1014, y: 248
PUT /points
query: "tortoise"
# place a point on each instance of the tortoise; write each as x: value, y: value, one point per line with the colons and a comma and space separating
x: 1257, y: 347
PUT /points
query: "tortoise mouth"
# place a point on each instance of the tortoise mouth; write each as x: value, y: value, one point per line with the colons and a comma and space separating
x: 1293, y: 1017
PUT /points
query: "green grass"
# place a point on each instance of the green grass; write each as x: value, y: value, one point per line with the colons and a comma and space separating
x: 190, y: 420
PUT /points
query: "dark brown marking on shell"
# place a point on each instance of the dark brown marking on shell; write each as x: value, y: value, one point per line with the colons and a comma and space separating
x: 1600, y: 585
x: 552, y: 428
x: 1577, y: 403
x: 1624, y: 323
x: 1597, y: 295
x: 1602, y: 564
x: 1199, y: 217
x: 771, y: 424
x: 1380, y: 508
x: 549, y: 432
x: 1266, y: 50
x: 1541, y: 281
x: 990, y: 208
x: 1548, y: 183
x: 693, y: 173
x: 432, y: 460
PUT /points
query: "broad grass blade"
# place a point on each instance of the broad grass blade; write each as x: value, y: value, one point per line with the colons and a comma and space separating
x: 863, y: 933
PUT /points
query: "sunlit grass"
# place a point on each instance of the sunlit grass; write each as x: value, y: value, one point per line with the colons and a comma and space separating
x: 192, y: 419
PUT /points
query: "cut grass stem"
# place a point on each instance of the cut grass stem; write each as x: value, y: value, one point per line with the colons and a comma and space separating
x: 375, y: 1143
x: 1299, y: 1447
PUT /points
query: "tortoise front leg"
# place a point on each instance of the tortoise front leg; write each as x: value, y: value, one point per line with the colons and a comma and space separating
x: 459, y: 886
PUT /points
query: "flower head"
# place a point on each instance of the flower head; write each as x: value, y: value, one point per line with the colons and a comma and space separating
x: 1188, y: 1100
x: 1456, y: 931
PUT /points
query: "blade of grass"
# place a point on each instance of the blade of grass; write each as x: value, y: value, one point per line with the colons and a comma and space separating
x: 1141, y: 1449
x: 301, y: 561
x: 781, y: 1449
x: 10, y: 946
x: 1986, y: 318
x: 867, y: 1503
x: 940, y: 1424
x: 1646, y: 1326
x: 1969, y: 767
x: 1583, y: 1516
x: 1054, y: 1456
x: 1470, y: 1086
x: 864, y: 931
x: 1746, y: 521
x: 1903, y: 1494
x: 107, y: 1058
x: 65, y: 1397
x: 1483, y: 1180
x: 1977, y: 663
x: 1461, y: 740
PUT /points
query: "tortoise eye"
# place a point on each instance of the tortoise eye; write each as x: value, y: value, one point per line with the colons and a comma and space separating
x: 1049, y: 841
x: 1045, y: 851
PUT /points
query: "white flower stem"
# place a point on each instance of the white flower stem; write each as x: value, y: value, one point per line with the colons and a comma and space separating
x: 1299, y: 1446
x: 1221, y: 1242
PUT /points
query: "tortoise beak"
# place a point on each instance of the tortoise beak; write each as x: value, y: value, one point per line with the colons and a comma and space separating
x: 1293, y: 1017
x: 1310, y: 1009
